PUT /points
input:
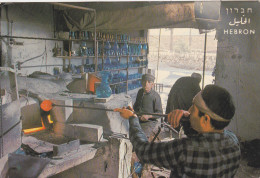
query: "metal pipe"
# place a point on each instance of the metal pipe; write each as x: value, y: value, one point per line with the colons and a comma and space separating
x: 33, y: 38
x: 105, y: 109
x: 158, y: 54
x: 84, y: 107
x: 40, y: 66
x: 170, y: 127
x: 204, y: 61
x: 72, y: 6
x: 96, y: 44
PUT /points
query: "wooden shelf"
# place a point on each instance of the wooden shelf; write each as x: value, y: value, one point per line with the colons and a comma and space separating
x: 113, y: 69
x: 125, y: 81
x: 75, y: 57
x: 80, y: 57
x: 118, y: 82
x: 134, y: 79
x: 137, y: 67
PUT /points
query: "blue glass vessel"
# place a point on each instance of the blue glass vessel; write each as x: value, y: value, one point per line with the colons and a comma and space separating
x: 104, y: 90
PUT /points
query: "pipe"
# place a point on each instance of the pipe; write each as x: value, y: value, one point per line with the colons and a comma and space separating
x: 72, y: 6
x: 105, y: 109
x: 83, y: 107
x: 158, y: 54
x: 34, y: 38
x: 170, y: 127
x: 204, y: 61
x: 40, y: 66
x: 47, y: 105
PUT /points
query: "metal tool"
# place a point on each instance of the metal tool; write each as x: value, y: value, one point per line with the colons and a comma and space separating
x: 47, y: 105
x: 170, y: 127
x: 156, y: 135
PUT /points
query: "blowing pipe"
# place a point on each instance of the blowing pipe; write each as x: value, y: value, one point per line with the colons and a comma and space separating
x: 103, y: 109
x: 47, y: 105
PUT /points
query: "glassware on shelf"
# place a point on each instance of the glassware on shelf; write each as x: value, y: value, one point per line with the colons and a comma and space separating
x: 144, y: 49
x: 115, y: 78
x: 115, y: 63
x: 130, y: 51
x: 104, y: 90
x: 113, y: 87
x: 116, y: 48
x: 83, y: 49
x: 107, y: 48
x: 108, y: 61
x: 87, y: 61
x: 72, y: 35
x: 107, y: 65
x: 130, y: 62
x: 139, y: 49
x: 99, y: 66
x: 125, y: 49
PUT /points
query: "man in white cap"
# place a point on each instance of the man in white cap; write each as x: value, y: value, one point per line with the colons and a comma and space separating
x: 213, y: 152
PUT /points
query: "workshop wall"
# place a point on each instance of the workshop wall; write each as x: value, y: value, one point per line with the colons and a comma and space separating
x: 237, y: 65
x: 29, y: 20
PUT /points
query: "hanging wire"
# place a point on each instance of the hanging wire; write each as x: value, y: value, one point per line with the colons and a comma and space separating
x: 158, y: 54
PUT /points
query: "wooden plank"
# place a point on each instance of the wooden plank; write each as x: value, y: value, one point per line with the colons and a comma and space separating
x: 66, y: 147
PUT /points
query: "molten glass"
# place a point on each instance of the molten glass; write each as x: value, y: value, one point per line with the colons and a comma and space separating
x: 27, y: 131
x: 46, y: 105
x: 49, y: 119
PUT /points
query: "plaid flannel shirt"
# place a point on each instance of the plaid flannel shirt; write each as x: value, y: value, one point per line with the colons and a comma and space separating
x: 204, y: 155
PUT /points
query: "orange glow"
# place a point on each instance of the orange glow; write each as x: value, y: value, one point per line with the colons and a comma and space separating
x: 27, y: 131
x: 49, y: 119
x: 46, y: 105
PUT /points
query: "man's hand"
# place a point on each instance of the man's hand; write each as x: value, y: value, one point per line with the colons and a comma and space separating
x: 145, y: 117
x: 125, y: 113
x: 175, y: 116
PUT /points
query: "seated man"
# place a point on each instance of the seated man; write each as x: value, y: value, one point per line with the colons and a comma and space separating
x: 148, y: 101
x: 213, y: 152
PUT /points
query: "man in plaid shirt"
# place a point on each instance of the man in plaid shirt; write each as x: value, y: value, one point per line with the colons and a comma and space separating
x: 213, y: 152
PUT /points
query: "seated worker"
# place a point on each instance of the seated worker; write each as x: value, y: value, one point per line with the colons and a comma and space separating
x: 149, y: 101
x: 213, y: 152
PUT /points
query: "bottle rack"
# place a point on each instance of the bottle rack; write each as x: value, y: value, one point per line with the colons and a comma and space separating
x: 134, y: 61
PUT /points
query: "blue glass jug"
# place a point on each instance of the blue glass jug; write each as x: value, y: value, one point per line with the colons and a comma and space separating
x: 104, y: 90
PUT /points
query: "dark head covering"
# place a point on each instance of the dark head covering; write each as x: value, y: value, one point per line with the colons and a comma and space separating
x: 196, y: 75
x: 148, y: 77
